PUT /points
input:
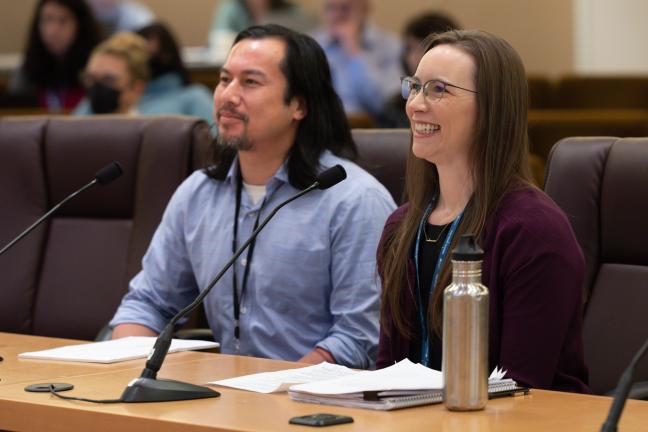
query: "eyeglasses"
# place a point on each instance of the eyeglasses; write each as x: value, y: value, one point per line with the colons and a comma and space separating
x: 433, y: 89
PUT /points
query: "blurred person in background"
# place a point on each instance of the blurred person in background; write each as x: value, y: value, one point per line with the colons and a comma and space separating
x: 170, y: 89
x: 135, y: 75
x: 116, y: 76
x: 62, y: 34
x: 365, y: 61
x: 415, y: 32
x: 121, y: 15
x: 233, y: 16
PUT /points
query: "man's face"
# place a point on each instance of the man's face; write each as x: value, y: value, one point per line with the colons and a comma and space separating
x: 249, y: 105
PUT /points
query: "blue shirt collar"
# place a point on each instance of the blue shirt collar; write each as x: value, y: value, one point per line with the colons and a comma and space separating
x: 279, y: 177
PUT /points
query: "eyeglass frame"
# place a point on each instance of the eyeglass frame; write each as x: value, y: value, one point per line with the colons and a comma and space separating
x: 424, y: 86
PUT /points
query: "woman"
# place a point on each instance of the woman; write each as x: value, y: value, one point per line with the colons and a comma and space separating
x: 62, y: 35
x: 467, y: 173
x: 170, y: 90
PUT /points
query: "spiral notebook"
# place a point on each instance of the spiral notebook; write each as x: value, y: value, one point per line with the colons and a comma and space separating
x: 402, y: 385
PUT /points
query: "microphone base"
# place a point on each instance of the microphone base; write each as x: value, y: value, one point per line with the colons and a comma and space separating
x: 153, y: 390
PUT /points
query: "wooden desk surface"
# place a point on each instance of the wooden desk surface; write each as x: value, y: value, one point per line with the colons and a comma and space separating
x: 238, y: 410
x: 15, y: 370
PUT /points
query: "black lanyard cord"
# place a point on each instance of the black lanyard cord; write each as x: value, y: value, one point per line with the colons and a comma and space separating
x: 248, y: 260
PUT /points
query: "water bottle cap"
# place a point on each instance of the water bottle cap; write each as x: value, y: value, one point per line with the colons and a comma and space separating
x: 467, y: 249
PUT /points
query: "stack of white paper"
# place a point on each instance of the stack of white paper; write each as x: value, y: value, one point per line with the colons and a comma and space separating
x: 403, y: 375
x: 112, y: 351
x: 280, y: 381
x: 401, y: 385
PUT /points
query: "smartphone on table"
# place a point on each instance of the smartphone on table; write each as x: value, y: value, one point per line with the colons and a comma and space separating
x: 321, y: 419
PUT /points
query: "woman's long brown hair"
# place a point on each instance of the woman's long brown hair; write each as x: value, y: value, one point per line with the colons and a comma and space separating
x: 499, y: 160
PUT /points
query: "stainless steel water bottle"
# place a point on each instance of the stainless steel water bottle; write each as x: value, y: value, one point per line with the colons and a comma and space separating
x: 465, y: 330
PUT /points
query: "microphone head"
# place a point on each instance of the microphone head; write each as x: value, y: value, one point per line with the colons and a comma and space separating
x: 108, y: 173
x: 330, y: 177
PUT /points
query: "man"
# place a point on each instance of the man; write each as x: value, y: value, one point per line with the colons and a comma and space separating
x: 365, y: 62
x: 306, y: 289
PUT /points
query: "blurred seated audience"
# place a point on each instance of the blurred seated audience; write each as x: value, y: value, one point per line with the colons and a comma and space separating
x: 364, y: 61
x: 414, y: 33
x: 116, y: 76
x: 233, y: 16
x: 170, y: 89
x: 121, y: 15
x: 61, y: 36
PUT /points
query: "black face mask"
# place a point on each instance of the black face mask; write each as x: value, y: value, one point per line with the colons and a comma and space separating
x: 103, y: 99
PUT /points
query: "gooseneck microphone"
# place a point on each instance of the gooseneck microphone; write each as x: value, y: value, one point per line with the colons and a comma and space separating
x: 104, y: 176
x: 147, y: 388
x: 621, y: 393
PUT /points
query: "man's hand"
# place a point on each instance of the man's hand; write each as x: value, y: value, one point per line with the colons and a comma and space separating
x: 318, y: 355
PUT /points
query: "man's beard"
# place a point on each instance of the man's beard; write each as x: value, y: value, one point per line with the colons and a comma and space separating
x: 240, y: 143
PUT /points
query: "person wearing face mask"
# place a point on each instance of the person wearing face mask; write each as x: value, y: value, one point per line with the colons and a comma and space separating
x: 170, y: 90
x: 118, y: 81
x: 61, y: 36
x: 116, y: 76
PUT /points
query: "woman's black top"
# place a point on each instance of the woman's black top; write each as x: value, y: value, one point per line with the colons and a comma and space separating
x: 429, y: 253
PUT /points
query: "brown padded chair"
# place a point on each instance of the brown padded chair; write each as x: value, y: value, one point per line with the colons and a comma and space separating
x: 383, y: 153
x: 67, y: 277
x: 602, y: 185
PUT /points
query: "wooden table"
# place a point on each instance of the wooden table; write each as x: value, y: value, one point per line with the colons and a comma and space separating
x: 238, y: 410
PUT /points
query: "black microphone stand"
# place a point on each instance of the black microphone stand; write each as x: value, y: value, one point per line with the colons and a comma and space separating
x: 147, y: 388
x: 621, y: 393
x: 103, y: 176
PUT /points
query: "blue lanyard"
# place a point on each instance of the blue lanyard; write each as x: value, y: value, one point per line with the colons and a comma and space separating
x: 425, y: 340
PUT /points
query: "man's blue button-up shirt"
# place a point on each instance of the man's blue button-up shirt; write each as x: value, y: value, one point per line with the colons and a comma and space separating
x: 312, y: 280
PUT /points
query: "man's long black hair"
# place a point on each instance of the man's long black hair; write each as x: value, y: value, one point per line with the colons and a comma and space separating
x: 325, y: 126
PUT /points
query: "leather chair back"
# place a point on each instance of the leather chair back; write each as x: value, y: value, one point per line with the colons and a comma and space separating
x: 383, y: 153
x: 68, y: 277
x: 602, y: 185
